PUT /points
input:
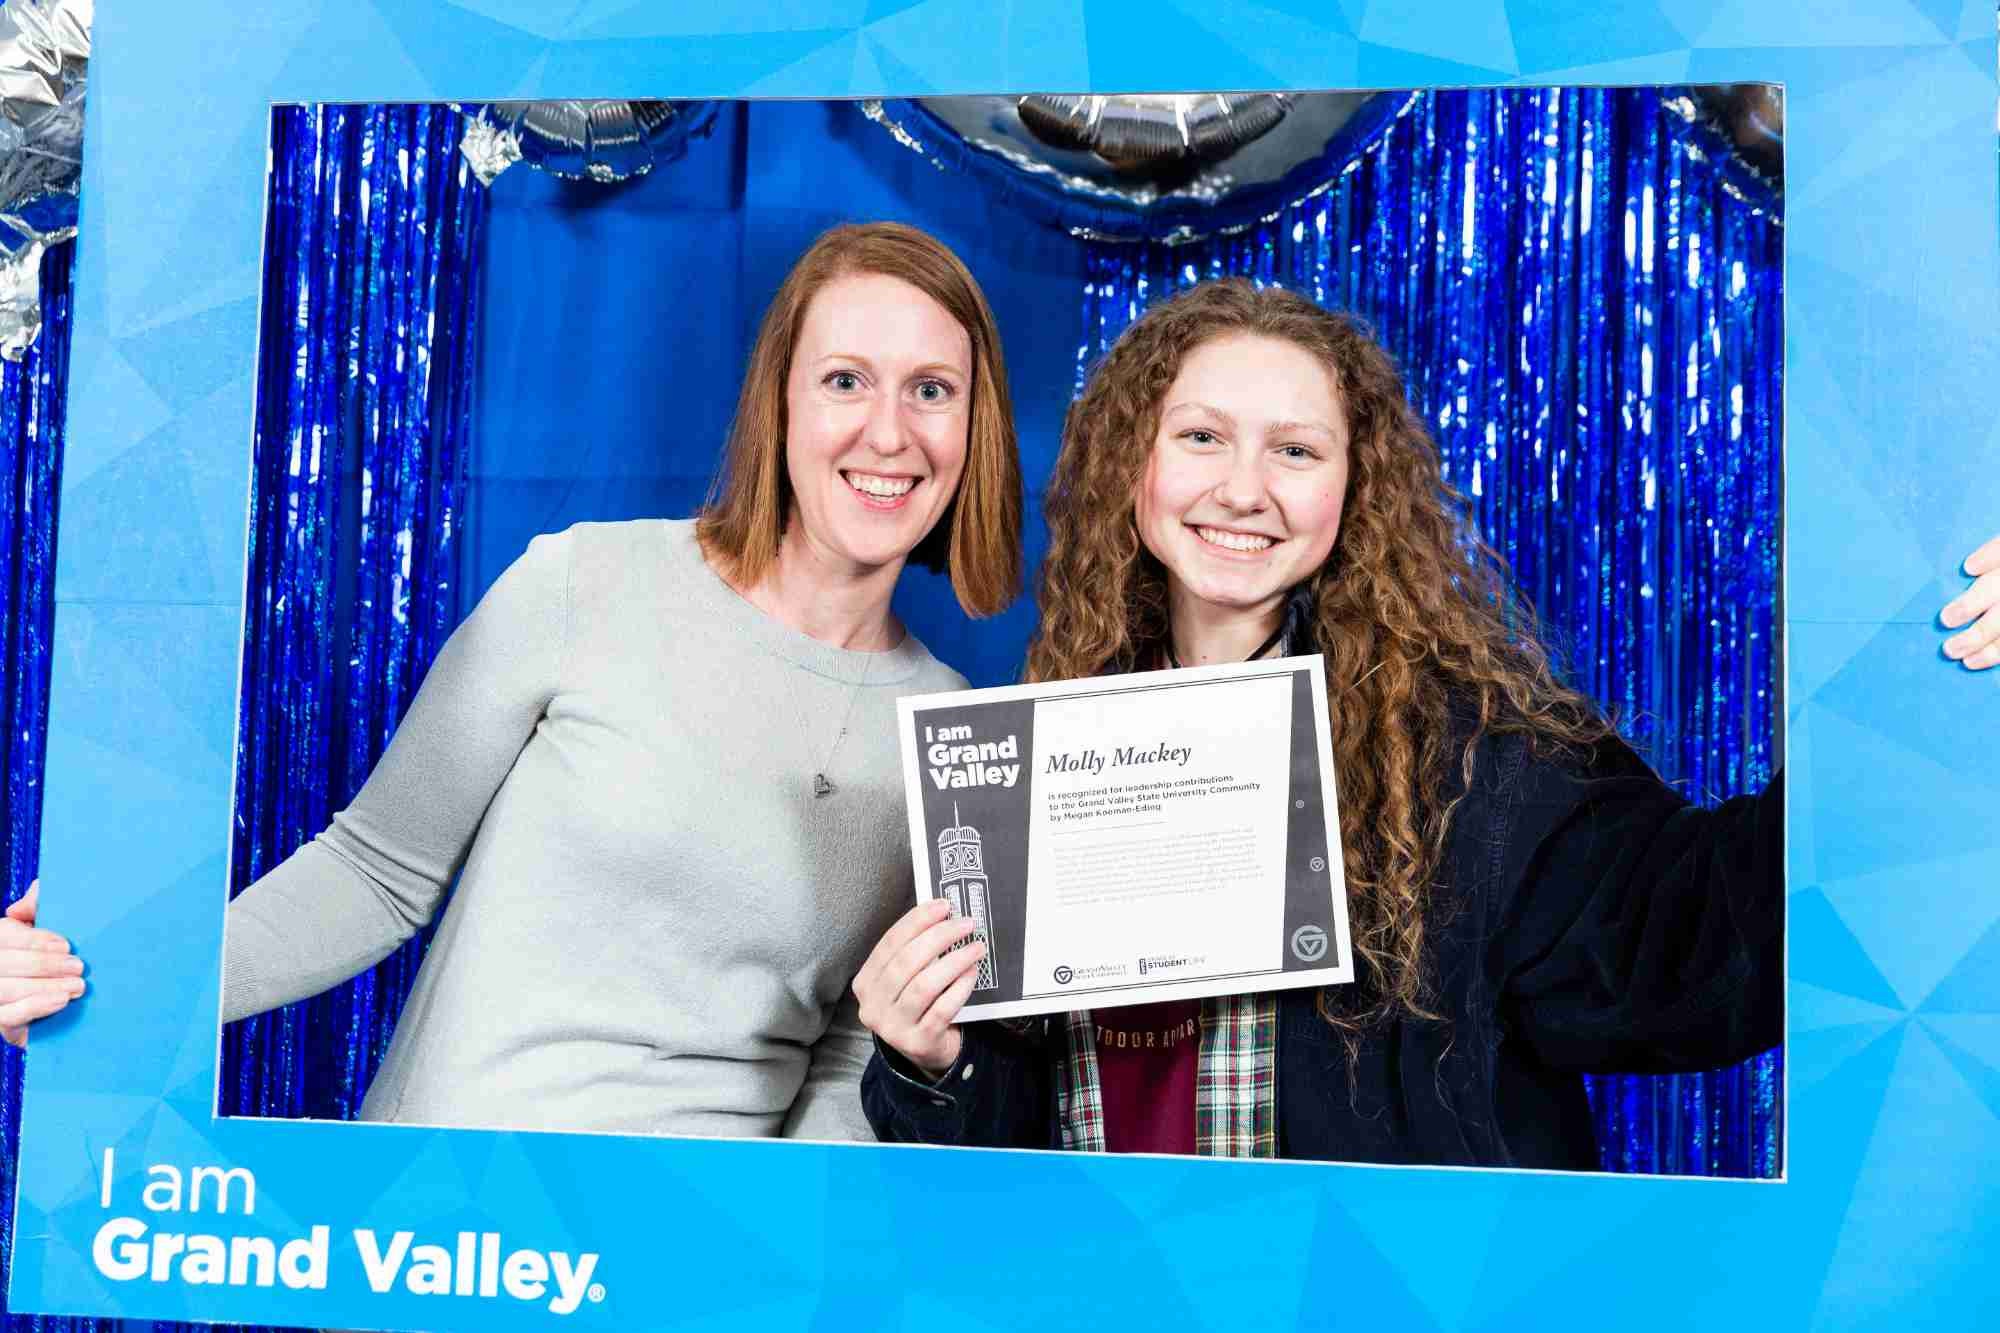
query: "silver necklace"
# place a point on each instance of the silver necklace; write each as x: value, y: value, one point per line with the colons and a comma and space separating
x: 821, y: 785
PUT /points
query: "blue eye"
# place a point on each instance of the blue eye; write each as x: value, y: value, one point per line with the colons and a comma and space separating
x: 1199, y: 436
x: 934, y: 391
x: 1297, y: 452
x: 844, y: 381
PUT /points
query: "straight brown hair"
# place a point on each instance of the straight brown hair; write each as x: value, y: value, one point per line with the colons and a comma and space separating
x: 978, y: 537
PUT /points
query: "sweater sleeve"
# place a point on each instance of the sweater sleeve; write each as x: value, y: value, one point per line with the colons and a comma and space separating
x: 375, y: 876
x: 1639, y: 933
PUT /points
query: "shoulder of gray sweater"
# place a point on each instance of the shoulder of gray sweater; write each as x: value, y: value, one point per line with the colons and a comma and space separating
x: 611, y: 564
x: 935, y: 677
x: 601, y: 551
x: 949, y: 678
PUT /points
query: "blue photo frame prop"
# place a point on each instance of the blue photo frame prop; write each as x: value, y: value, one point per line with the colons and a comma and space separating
x: 1893, y: 248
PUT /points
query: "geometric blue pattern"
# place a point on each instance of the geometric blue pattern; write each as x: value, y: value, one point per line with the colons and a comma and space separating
x: 1887, y: 1214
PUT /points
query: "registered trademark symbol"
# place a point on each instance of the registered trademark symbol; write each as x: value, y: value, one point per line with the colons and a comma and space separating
x: 1318, y: 864
x: 596, y: 1292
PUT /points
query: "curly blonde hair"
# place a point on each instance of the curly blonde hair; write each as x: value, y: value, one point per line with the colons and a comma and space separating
x: 1416, y: 616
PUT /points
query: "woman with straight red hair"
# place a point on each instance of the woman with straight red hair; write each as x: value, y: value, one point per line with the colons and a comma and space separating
x: 659, y: 757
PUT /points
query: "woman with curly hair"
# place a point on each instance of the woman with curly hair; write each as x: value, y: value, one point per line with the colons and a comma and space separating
x: 1243, y: 475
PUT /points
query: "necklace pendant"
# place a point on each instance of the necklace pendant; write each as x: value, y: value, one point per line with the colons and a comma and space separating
x: 821, y: 786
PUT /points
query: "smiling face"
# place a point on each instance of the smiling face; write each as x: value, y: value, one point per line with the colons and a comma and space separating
x: 1240, y: 499
x: 878, y: 407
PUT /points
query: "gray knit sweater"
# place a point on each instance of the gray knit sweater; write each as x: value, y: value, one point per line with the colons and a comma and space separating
x: 655, y: 922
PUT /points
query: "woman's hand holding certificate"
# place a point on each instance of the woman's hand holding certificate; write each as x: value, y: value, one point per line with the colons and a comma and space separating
x: 915, y: 982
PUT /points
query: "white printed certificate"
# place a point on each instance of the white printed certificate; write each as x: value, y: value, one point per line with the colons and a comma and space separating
x: 1156, y: 836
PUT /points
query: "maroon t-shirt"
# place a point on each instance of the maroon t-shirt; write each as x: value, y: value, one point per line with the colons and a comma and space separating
x: 1146, y: 1064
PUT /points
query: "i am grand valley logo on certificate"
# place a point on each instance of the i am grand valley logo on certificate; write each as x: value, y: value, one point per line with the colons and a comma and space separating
x: 1162, y: 835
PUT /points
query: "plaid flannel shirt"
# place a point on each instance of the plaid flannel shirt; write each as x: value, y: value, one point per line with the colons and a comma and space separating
x: 1236, y: 1070
x: 1236, y: 1080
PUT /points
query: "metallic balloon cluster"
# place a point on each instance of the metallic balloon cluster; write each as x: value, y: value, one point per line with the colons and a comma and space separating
x: 1588, y: 309
x: 44, y: 56
x: 601, y: 141
x: 1135, y: 167
x: 1148, y: 134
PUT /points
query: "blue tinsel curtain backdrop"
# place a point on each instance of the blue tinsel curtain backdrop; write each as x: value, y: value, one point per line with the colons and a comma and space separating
x: 1586, y: 301
x: 363, y: 420
x: 33, y: 394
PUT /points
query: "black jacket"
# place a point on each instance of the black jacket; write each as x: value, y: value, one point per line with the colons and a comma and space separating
x: 1597, y: 923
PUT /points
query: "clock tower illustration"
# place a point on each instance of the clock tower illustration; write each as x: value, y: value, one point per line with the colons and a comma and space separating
x: 962, y: 881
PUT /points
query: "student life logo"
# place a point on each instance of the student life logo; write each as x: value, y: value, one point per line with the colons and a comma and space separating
x: 479, y: 1265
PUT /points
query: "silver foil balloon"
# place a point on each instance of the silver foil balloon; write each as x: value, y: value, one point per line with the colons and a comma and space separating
x: 1152, y: 135
x: 599, y: 141
x: 1190, y: 154
x: 489, y: 149
x: 44, y: 55
x: 1749, y: 117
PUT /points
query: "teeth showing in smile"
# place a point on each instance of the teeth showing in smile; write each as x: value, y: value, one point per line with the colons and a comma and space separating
x: 1234, y: 541
x: 884, y: 488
